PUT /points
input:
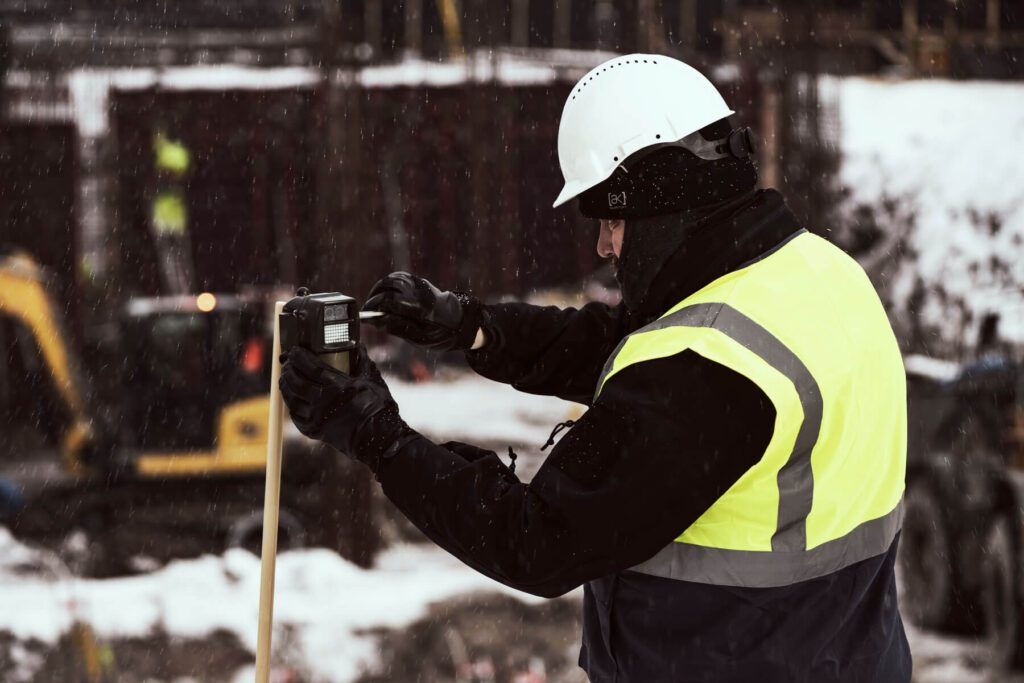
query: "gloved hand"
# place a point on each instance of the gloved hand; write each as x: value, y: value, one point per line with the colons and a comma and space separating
x: 419, y: 312
x: 355, y: 414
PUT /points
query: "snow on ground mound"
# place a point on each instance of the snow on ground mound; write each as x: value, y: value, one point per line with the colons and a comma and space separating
x: 472, y: 408
x: 327, y: 600
x: 931, y: 368
x: 949, y: 151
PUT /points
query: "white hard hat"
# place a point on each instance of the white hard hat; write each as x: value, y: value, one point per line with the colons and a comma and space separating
x: 627, y: 104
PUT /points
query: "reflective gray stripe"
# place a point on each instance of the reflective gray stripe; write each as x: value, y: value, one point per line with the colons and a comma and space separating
x: 795, y: 478
x: 752, y: 569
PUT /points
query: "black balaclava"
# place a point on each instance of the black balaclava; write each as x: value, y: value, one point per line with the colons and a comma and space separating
x: 672, y: 192
x: 650, y: 242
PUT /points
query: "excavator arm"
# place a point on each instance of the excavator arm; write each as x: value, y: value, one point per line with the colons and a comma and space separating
x: 23, y: 297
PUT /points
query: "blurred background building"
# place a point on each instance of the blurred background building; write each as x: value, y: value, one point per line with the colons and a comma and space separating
x: 153, y: 153
x: 155, y: 147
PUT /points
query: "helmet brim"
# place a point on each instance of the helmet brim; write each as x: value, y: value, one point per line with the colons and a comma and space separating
x: 569, y: 192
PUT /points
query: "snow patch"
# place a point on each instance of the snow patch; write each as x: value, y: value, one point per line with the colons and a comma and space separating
x: 947, y: 151
x: 947, y: 659
x: 90, y: 88
x: 472, y: 408
x: 931, y: 368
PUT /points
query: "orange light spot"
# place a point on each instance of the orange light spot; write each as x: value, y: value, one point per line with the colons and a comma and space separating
x: 252, y: 356
x: 206, y: 302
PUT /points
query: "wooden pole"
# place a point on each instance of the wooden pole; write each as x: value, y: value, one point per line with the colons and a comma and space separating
x: 768, y: 156
x: 414, y: 27
x: 563, y: 24
x: 992, y: 23
x: 689, y: 41
x: 271, y: 505
x: 373, y: 27
x: 520, y: 23
x: 910, y: 38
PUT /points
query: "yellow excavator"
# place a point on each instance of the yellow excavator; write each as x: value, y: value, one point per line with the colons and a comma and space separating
x: 160, y: 453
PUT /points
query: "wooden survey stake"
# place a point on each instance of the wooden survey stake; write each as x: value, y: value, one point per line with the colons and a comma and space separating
x: 271, y: 507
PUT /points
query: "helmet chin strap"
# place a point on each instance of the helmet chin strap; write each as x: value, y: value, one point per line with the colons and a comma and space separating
x: 738, y: 144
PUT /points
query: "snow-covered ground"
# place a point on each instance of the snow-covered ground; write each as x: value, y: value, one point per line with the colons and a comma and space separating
x: 948, y: 152
x: 329, y: 603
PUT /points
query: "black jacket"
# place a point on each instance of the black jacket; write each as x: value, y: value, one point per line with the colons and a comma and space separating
x: 665, y: 439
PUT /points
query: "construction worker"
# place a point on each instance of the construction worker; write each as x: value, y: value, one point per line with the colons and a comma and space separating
x: 731, y: 501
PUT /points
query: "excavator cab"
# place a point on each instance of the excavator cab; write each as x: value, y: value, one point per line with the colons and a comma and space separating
x: 188, y: 360
x: 190, y: 379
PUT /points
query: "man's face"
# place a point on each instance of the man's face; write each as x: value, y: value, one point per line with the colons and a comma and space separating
x: 609, y: 240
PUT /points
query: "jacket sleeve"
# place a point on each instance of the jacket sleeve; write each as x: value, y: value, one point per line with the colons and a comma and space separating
x: 664, y: 441
x: 547, y: 350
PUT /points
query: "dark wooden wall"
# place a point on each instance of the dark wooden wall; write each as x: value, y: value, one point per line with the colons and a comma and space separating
x: 249, y: 189
x: 455, y: 183
x: 476, y: 170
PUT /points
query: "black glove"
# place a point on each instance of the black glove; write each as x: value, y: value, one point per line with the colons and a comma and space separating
x: 419, y: 312
x: 355, y: 414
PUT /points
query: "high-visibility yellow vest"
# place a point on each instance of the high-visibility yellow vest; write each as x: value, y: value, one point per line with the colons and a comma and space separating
x: 806, y: 326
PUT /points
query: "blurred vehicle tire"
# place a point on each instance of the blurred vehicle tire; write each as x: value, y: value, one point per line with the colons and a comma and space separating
x: 928, y: 593
x: 1001, y: 596
x: 949, y: 508
x: 247, y: 532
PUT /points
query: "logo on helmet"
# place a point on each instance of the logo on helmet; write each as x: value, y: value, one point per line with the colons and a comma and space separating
x: 617, y: 200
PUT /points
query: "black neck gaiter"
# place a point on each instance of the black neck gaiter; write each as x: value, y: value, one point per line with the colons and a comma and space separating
x: 650, y: 242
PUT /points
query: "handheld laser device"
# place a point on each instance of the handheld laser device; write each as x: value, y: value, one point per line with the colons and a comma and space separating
x: 327, y: 324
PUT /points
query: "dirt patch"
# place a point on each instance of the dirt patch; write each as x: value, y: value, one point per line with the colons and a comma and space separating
x: 78, y: 657
x: 485, y: 637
